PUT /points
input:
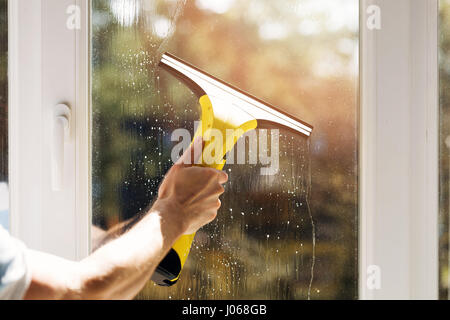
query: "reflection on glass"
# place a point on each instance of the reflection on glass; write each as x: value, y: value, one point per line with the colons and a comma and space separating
x: 444, y: 161
x: 4, y: 197
x: 289, y: 236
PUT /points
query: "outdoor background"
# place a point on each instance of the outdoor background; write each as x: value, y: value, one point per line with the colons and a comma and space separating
x: 290, y: 236
x: 444, y: 191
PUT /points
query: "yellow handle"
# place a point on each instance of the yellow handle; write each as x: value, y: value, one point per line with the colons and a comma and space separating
x: 169, y: 270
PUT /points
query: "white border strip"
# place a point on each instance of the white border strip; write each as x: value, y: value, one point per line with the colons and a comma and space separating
x: 24, y: 70
x: 56, y: 72
x: 83, y: 133
x: 399, y: 151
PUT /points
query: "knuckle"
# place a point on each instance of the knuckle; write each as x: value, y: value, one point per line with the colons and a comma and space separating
x: 212, y: 216
x: 210, y: 173
x: 177, y: 166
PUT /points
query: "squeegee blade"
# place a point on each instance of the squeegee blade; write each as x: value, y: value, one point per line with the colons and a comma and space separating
x: 213, y: 86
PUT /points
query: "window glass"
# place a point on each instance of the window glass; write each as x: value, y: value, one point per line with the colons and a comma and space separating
x: 444, y: 164
x: 292, y: 235
x: 4, y: 197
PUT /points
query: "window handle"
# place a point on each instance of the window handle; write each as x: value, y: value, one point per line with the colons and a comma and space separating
x: 60, y: 135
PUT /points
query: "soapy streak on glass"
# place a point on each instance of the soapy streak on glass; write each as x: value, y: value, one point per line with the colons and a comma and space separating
x: 289, y: 236
x: 4, y: 194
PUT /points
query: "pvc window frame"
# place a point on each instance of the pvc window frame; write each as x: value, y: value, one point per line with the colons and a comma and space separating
x: 49, y: 65
x: 399, y: 151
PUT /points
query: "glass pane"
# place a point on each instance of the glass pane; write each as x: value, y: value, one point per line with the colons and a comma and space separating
x: 444, y: 164
x: 4, y: 197
x: 292, y: 235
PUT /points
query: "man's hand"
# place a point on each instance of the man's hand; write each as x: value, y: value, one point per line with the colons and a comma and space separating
x: 193, y: 192
x: 188, y: 199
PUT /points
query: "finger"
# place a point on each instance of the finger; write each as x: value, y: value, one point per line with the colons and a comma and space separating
x: 219, y: 189
x: 190, y: 156
x: 214, y: 208
x: 211, y: 207
x: 211, y: 193
x: 211, y: 174
x: 223, y: 177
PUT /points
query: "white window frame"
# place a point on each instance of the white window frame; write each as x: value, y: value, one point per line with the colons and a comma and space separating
x: 49, y: 65
x: 399, y: 150
x: 398, y: 113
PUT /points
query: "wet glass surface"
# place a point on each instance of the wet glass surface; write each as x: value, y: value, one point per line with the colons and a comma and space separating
x: 292, y: 235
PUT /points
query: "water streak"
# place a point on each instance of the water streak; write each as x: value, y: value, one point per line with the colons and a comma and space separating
x: 313, y: 226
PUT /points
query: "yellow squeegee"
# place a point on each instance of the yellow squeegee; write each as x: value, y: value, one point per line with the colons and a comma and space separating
x: 223, y: 107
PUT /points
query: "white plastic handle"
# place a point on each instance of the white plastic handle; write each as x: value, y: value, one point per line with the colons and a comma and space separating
x: 60, y: 134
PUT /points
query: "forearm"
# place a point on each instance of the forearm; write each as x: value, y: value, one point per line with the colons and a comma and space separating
x: 101, y: 237
x: 119, y: 269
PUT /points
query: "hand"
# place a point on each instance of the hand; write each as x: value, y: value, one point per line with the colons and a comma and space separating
x: 191, y: 192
